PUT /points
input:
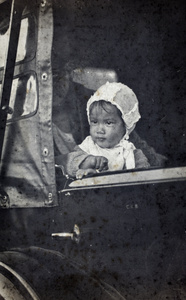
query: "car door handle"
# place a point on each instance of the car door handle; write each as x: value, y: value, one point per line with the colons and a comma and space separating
x: 75, y: 235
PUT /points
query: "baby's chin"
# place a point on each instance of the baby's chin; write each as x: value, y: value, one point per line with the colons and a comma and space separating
x: 103, y: 143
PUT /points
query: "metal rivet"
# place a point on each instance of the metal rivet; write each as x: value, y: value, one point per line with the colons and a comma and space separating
x: 7, y: 109
x: 45, y: 151
x: 50, y: 199
x: 44, y: 76
x: 50, y: 196
x: 43, y: 3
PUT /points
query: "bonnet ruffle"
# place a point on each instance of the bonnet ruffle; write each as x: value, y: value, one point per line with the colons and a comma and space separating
x: 123, y: 98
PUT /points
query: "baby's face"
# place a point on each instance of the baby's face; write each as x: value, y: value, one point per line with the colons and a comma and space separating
x: 106, y: 127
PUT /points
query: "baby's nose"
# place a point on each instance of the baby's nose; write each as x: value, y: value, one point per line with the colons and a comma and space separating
x: 100, y: 128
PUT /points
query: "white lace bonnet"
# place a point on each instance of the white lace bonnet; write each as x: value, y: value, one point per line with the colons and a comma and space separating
x: 123, y: 98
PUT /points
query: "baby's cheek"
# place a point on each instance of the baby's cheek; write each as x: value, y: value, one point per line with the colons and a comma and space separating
x: 92, y: 131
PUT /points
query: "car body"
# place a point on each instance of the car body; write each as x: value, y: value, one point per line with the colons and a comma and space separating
x: 116, y: 235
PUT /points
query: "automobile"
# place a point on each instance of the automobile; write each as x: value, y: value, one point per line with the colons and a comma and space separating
x: 112, y: 235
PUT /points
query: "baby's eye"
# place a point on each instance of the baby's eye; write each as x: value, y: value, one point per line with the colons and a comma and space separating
x: 93, y: 122
x: 109, y: 122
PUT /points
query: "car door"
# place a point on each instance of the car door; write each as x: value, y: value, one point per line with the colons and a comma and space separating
x: 26, y: 137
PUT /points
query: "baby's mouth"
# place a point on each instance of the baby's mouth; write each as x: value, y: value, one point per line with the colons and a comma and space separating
x: 100, y: 139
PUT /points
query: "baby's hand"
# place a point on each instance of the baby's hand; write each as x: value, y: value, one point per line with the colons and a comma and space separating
x: 84, y: 172
x: 99, y: 163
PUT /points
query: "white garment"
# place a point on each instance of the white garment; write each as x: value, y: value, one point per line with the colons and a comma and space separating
x: 122, y: 155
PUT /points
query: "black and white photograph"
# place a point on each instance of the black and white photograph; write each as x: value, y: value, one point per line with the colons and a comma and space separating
x: 92, y: 150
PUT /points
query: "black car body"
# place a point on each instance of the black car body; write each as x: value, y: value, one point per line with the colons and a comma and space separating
x: 114, y: 235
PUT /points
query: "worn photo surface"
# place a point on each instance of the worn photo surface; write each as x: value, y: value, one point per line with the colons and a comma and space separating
x: 92, y: 149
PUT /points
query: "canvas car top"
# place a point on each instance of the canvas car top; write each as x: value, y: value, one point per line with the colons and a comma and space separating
x: 27, y: 165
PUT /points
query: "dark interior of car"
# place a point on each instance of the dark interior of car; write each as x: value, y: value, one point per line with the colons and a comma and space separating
x: 143, y: 43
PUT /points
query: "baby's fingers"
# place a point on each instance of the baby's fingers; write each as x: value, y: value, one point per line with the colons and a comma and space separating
x: 84, y: 172
x: 103, y: 163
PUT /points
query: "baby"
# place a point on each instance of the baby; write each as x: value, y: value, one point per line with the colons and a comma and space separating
x: 112, y: 114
